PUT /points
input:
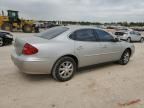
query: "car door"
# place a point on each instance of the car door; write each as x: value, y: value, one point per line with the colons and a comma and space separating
x: 87, y: 49
x: 138, y: 36
x: 134, y: 36
x: 111, y: 49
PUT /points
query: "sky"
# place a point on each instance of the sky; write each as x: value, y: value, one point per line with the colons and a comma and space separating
x: 78, y: 10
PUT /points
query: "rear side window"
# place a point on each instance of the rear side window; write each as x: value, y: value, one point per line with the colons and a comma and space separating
x: 52, y: 32
x: 83, y: 35
x: 137, y: 33
x: 104, y: 36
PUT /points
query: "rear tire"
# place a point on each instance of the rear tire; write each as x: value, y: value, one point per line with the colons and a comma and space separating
x: 27, y: 28
x: 64, y: 69
x: 1, y: 42
x: 125, y: 57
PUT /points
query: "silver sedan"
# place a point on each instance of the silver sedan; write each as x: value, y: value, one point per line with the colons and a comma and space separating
x: 130, y: 36
x: 60, y: 51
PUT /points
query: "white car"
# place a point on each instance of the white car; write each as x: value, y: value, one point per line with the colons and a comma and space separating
x: 129, y: 36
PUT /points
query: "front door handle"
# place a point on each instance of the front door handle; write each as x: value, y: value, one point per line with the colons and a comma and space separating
x: 80, y: 47
x: 105, y: 46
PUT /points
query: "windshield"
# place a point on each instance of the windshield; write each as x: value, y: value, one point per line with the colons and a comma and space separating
x: 52, y: 32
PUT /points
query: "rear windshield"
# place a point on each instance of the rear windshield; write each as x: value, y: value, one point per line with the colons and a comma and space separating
x: 119, y: 33
x: 52, y: 32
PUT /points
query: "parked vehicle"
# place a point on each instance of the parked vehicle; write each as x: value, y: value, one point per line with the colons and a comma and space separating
x: 61, y: 50
x: 130, y: 36
x: 12, y: 21
x: 5, y: 38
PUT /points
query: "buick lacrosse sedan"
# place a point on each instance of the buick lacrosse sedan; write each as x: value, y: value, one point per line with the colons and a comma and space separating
x: 60, y: 51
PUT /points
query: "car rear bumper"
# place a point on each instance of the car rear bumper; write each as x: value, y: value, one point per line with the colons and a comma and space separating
x: 31, y: 65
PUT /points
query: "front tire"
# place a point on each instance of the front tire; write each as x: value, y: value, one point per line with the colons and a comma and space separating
x: 1, y: 42
x: 64, y: 69
x: 125, y: 57
x: 142, y: 40
x: 129, y: 40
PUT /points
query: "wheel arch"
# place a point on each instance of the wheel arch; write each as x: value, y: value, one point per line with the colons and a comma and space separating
x: 67, y: 55
x: 72, y: 56
x: 129, y: 37
x: 130, y: 50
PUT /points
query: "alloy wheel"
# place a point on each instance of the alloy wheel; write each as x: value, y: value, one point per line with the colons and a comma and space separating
x: 66, y: 69
x: 126, y: 57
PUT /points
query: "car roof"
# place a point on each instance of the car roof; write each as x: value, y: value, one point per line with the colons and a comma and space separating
x: 75, y: 27
x: 122, y: 31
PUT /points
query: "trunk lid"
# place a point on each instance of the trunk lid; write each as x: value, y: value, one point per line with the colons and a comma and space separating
x: 20, y: 42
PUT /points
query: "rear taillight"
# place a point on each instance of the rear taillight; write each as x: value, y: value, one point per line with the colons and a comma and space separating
x: 29, y: 49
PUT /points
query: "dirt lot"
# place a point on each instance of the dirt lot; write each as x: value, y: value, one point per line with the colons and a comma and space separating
x: 102, y: 86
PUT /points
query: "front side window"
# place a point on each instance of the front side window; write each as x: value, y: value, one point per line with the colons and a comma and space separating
x: 83, y: 35
x: 52, y: 32
x: 104, y: 36
x: 132, y: 33
x: 137, y: 33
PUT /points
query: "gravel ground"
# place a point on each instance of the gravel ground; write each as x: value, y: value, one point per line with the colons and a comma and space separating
x: 102, y: 86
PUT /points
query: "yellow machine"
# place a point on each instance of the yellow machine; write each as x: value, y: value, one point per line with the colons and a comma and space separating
x: 12, y: 21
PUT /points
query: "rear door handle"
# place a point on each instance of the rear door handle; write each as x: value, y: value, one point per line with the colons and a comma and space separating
x: 105, y: 46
